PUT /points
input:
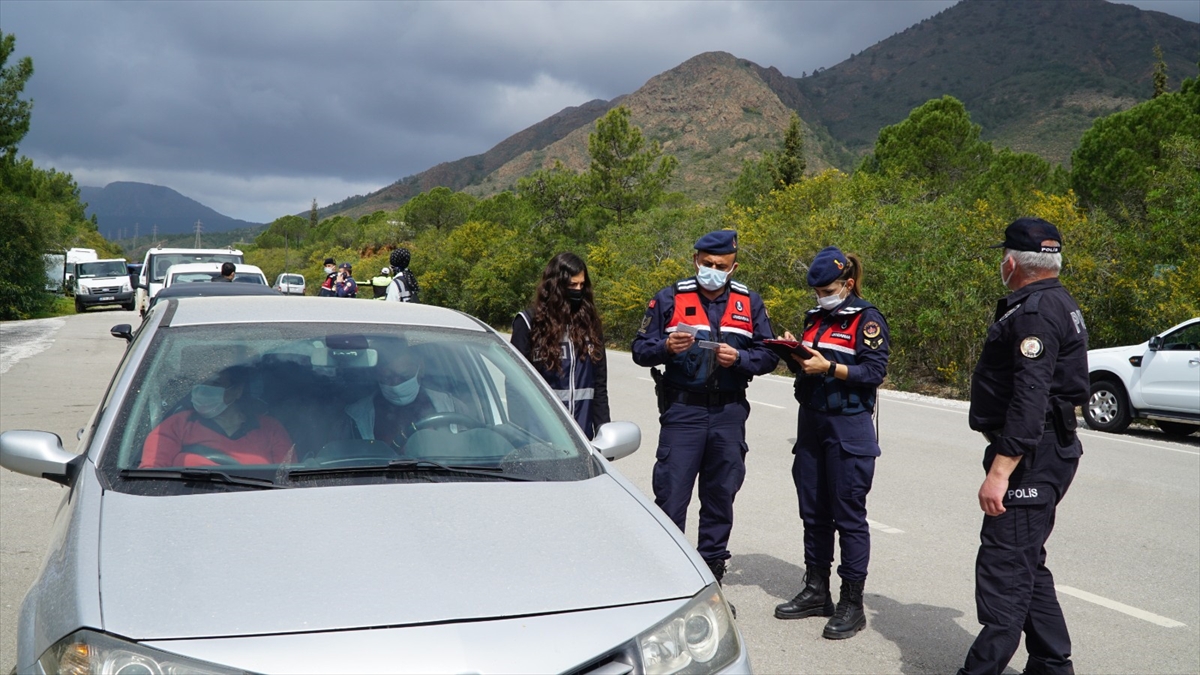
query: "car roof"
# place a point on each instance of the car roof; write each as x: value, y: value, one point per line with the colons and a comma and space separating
x: 209, y: 289
x: 194, y: 250
x: 202, y: 311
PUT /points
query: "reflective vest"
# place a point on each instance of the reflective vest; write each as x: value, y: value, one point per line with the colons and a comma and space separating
x: 835, y: 335
x: 696, y: 369
x: 574, y: 383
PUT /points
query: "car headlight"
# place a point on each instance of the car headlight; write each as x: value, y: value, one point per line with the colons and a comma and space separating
x: 699, y: 638
x: 126, y: 286
x: 86, y: 651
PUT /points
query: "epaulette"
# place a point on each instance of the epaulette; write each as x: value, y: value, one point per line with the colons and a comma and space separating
x: 812, y: 311
x: 739, y: 287
x: 849, y: 311
x: 686, y: 286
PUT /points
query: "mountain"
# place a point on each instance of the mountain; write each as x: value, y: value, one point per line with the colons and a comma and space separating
x: 1034, y: 73
x: 123, y: 207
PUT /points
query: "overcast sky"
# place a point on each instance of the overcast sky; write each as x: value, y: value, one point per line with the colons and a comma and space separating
x: 256, y: 108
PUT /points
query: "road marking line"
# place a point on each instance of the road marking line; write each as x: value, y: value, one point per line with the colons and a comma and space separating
x: 922, y: 405
x: 883, y: 528
x: 645, y: 379
x: 1120, y: 607
x: 1114, y: 437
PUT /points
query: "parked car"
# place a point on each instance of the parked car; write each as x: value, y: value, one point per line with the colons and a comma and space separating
x: 102, y: 282
x: 157, y: 260
x: 187, y: 273
x: 290, y: 284
x: 1158, y: 379
x: 211, y: 290
x: 486, y: 534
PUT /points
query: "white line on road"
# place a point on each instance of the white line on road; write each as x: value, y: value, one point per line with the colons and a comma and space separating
x: 1114, y: 437
x: 931, y: 407
x: 883, y: 528
x: 1120, y: 607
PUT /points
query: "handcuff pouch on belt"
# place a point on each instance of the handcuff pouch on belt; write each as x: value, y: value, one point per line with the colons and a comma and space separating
x: 661, y: 393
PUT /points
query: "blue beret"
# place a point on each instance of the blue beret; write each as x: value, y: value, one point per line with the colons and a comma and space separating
x: 720, y: 242
x: 829, y: 264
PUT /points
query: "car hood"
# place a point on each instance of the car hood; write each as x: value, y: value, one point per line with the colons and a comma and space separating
x: 329, y: 558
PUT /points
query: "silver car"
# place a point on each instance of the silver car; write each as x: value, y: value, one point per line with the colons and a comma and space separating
x: 314, y: 486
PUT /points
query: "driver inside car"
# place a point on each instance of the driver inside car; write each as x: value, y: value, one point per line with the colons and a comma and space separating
x: 217, y: 428
x: 391, y: 412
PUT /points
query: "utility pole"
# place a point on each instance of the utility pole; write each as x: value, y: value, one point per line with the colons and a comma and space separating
x: 199, y: 227
x: 153, y: 235
x: 135, y: 236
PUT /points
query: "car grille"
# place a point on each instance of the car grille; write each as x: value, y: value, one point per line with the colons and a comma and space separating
x: 107, y: 290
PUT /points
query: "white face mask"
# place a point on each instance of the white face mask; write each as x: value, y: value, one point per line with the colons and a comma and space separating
x: 401, y: 394
x: 208, y: 400
x: 711, y: 279
x: 1006, y: 279
x: 329, y: 270
x: 831, y: 302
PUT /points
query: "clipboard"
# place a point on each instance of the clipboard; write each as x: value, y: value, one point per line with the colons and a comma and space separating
x: 786, y: 348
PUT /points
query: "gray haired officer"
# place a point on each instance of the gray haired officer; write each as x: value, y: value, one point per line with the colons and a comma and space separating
x: 1031, y: 375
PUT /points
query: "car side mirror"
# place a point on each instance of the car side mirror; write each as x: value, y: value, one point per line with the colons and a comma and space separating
x: 122, y: 330
x: 617, y: 439
x: 1156, y: 343
x: 39, y: 454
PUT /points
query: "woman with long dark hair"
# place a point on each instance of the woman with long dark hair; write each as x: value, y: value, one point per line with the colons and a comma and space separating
x: 561, y: 335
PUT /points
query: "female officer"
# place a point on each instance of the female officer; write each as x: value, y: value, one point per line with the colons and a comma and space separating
x: 561, y: 336
x: 846, y: 343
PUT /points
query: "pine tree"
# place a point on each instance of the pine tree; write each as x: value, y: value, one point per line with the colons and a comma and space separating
x: 1160, y: 73
x: 791, y: 161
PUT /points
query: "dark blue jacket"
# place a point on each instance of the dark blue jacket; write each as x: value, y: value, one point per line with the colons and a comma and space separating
x: 580, y: 383
x: 855, y: 335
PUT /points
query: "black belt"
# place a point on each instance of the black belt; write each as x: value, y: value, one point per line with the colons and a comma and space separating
x: 994, y: 435
x: 706, y: 398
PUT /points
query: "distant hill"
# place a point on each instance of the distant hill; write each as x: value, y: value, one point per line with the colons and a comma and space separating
x: 122, y: 207
x: 1034, y: 73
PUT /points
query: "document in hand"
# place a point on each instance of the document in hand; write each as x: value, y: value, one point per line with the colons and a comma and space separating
x: 785, y: 348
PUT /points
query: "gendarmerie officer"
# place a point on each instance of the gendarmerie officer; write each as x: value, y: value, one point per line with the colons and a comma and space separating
x: 708, y: 331
x: 1031, y: 375
x: 848, y: 345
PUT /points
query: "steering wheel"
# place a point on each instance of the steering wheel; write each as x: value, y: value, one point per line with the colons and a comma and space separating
x: 437, y: 420
x: 209, y: 454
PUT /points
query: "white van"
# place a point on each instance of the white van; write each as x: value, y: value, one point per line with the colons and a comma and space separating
x: 157, y: 260
x: 102, y: 282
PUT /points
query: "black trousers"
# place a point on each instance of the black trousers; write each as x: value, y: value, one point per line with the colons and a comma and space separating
x: 1014, y: 593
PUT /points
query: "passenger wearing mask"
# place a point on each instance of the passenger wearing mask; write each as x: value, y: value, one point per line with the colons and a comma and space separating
x: 562, y: 337
x: 217, y: 428
x: 404, y: 283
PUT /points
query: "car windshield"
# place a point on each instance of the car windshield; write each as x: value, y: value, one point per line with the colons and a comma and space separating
x: 291, y: 279
x: 107, y: 268
x: 159, y: 262
x: 305, y: 405
x: 249, y: 278
x: 191, y: 277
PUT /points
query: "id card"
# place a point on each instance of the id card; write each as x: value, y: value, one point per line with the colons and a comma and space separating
x: 707, y: 344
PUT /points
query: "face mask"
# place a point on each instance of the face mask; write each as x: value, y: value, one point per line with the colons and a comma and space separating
x: 711, y: 279
x: 575, y: 298
x: 329, y: 270
x: 401, y: 394
x: 208, y: 400
x: 830, y: 302
x: 1006, y: 279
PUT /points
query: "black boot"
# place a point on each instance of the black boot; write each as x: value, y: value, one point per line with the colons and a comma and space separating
x: 848, y: 617
x: 717, y: 567
x: 814, y: 600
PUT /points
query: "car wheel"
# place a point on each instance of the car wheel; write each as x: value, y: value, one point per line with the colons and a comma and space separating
x: 79, y: 308
x: 1180, y: 429
x: 128, y: 307
x: 1107, y: 408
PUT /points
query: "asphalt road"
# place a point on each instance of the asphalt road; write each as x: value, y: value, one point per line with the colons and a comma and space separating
x: 1125, y: 551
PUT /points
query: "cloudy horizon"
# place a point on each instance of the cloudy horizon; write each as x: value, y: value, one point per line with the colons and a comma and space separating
x: 256, y: 108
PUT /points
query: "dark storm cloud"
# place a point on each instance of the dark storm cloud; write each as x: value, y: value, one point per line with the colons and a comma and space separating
x: 255, y: 107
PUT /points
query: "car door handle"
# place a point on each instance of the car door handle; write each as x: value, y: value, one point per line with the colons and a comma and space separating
x: 1194, y: 362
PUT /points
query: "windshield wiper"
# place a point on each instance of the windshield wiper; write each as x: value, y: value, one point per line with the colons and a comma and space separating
x: 414, y: 465
x: 200, y: 476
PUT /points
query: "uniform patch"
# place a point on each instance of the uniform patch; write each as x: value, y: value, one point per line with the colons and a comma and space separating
x: 871, y: 330
x: 645, y: 323
x: 738, y: 304
x: 689, y: 311
x: 845, y: 324
x: 874, y: 343
x: 1031, y: 347
x: 652, y: 303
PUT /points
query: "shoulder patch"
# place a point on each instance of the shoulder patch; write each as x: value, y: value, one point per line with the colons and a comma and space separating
x: 653, y: 302
x: 645, y: 324
x: 1031, y: 347
x: 872, y: 329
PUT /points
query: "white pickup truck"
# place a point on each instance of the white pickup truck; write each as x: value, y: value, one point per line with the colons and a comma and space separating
x: 1158, y: 379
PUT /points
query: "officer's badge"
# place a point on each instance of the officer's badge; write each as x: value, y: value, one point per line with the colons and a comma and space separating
x: 645, y: 324
x: 738, y: 304
x: 872, y: 329
x: 845, y: 324
x: 1031, y: 347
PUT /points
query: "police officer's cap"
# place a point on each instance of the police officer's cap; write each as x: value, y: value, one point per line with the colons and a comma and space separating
x: 721, y: 242
x: 329, y: 261
x: 345, y: 266
x: 827, y: 267
x: 1027, y: 234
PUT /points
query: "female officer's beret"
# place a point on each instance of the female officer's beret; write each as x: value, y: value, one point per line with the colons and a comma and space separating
x: 829, y: 264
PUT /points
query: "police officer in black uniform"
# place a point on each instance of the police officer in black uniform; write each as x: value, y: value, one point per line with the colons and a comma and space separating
x: 846, y: 346
x: 1032, y: 374
x: 708, y: 331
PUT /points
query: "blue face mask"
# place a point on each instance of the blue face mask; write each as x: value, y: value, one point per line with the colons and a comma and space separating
x: 401, y: 394
x: 208, y: 400
x: 711, y: 279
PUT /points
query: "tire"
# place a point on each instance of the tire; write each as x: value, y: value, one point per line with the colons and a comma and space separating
x: 79, y: 308
x: 128, y: 307
x: 1107, y: 408
x: 1179, y: 429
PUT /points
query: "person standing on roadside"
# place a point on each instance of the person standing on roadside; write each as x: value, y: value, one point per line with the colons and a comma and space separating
x: 404, y: 283
x: 344, y: 285
x: 707, y: 330
x: 1031, y: 375
x: 846, y: 345
x: 380, y: 283
x: 561, y: 335
x: 327, y: 290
